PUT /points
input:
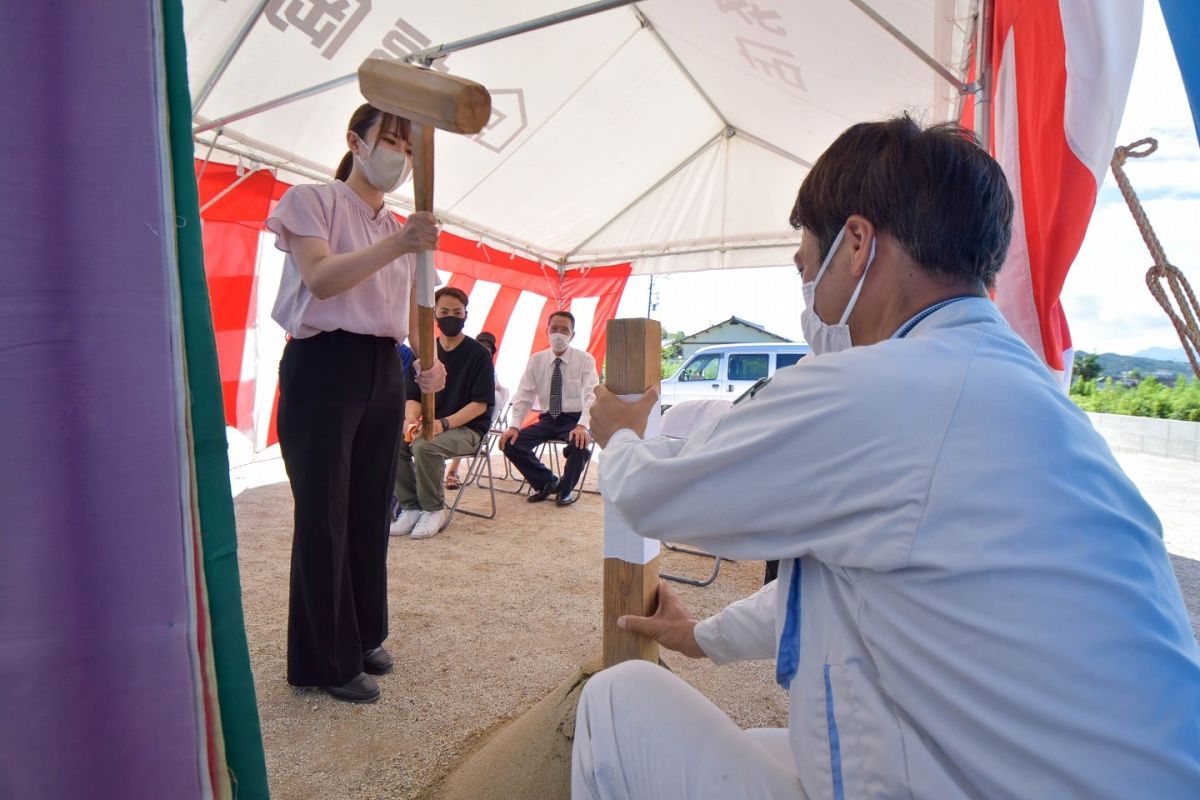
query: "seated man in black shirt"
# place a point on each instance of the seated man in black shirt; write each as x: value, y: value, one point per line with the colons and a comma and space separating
x: 464, y: 412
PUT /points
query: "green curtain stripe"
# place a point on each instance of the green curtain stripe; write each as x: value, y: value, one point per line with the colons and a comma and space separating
x: 235, y: 684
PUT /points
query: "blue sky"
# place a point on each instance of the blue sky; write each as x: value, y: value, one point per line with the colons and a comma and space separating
x: 1108, y: 305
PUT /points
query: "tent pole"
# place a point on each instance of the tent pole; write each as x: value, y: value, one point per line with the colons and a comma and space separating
x: 773, y: 148
x: 983, y: 72
x: 724, y: 133
x: 230, y: 52
x: 425, y: 57
x: 649, y: 26
x: 430, y: 54
x: 912, y: 46
x: 216, y: 198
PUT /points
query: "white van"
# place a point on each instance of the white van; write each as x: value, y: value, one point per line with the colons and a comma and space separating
x: 725, y: 371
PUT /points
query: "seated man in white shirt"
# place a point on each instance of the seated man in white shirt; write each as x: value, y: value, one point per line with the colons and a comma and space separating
x: 973, y: 599
x: 562, y: 380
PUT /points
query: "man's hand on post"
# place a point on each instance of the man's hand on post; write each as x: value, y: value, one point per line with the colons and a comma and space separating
x: 579, y: 437
x: 509, y: 436
x: 610, y: 414
x: 671, y: 626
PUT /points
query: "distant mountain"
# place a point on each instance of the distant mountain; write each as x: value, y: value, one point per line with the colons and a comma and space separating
x: 1114, y: 365
x: 1163, y: 354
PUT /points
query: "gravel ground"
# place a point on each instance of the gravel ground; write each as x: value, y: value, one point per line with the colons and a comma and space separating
x: 491, y: 615
x: 486, y: 619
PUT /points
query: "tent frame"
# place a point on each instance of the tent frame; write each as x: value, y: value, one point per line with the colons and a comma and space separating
x: 979, y: 32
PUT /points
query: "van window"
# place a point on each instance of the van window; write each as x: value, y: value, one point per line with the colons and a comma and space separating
x: 787, y: 359
x: 748, y: 366
x: 702, y: 368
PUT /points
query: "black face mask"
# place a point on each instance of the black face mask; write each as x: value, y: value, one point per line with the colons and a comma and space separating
x: 451, y: 326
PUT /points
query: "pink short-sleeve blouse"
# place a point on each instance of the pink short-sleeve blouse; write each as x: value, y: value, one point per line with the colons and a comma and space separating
x: 379, y: 305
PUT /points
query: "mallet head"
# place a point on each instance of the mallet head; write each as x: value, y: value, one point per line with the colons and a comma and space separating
x: 425, y: 96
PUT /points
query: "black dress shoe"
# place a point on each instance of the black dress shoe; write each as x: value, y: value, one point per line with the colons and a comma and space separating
x: 377, y: 662
x: 566, y: 499
x: 544, y: 492
x: 360, y: 689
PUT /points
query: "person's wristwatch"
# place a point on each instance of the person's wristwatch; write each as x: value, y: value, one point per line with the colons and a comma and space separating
x: 445, y: 423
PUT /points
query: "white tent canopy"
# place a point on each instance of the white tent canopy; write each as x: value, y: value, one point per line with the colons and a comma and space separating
x: 669, y: 133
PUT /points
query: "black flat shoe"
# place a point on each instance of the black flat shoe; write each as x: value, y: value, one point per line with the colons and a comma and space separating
x: 544, y: 492
x: 361, y: 689
x: 377, y: 662
x: 566, y: 499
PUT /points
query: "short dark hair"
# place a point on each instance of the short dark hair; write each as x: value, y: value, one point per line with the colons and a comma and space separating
x: 454, y: 292
x: 488, y: 340
x: 566, y: 314
x: 933, y: 189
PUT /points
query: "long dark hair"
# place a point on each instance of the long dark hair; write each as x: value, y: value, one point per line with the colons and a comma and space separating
x: 360, y: 122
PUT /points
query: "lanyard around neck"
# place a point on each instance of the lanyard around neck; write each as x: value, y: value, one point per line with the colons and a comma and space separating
x: 919, y: 318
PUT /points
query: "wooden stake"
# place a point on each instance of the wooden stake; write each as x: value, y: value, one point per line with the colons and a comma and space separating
x: 633, y: 363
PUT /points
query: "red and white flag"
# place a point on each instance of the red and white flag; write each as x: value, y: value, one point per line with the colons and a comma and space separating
x: 1061, y: 71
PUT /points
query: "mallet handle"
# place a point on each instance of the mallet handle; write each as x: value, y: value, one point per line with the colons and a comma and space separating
x: 423, y: 200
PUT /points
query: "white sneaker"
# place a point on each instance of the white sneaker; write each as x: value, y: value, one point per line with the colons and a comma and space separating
x: 430, y: 524
x: 404, y: 524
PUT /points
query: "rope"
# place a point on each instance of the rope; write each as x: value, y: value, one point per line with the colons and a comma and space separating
x: 1185, y: 320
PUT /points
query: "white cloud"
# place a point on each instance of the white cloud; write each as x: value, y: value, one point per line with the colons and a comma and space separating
x: 691, y: 301
x: 1108, y: 305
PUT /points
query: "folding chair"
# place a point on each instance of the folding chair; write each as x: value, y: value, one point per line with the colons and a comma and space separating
x: 481, y: 460
x: 550, y: 448
x: 692, y: 581
x: 555, y: 464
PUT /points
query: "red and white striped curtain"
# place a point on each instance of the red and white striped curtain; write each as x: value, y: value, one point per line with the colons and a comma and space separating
x: 510, y: 296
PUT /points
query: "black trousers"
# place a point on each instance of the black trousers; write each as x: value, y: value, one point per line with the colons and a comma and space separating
x: 340, y: 401
x: 546, y: 429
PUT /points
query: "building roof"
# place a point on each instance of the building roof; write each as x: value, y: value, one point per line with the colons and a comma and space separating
x: 731, y: 321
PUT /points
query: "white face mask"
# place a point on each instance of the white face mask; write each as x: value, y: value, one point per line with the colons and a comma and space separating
x: 822, y: 337
x: 384, y: 169
x: 559, y: 342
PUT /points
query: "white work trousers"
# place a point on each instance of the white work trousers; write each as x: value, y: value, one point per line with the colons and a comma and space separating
x: 641, y: 732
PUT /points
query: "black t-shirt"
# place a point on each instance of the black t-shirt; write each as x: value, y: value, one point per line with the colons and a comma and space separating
x: 470, y: 378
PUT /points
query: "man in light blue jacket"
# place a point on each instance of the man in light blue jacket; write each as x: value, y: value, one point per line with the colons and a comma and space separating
x: 973, y: 599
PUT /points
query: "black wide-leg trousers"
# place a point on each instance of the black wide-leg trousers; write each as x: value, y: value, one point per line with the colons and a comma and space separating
x: 341, y: 397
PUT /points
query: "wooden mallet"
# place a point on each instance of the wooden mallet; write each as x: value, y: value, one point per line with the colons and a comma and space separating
x: 429, y: 100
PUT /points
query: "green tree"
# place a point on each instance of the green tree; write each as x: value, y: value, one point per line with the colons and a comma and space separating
x: 672, y: 354
x: 1148, y: 399
x: 1087, y: 367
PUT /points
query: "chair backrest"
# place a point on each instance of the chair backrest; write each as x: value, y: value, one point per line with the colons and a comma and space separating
x: 500, y: 408
x: 500, y: 417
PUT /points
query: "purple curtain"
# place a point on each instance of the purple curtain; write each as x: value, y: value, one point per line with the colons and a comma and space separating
x: 97, y: 695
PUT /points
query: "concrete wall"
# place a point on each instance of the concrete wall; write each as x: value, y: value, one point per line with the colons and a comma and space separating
x: 1163, y: 437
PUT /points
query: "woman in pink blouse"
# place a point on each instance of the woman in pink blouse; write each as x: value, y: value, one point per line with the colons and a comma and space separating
x: 345, y: 298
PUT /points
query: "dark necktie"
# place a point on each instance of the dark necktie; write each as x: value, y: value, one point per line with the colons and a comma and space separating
x: 556, y: 389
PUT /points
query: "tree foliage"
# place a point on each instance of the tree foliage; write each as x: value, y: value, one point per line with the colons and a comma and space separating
x: 1148, y: 399
x: 1087, y: 367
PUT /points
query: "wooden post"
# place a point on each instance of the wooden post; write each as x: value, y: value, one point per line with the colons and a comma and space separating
x: 633, y: 363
